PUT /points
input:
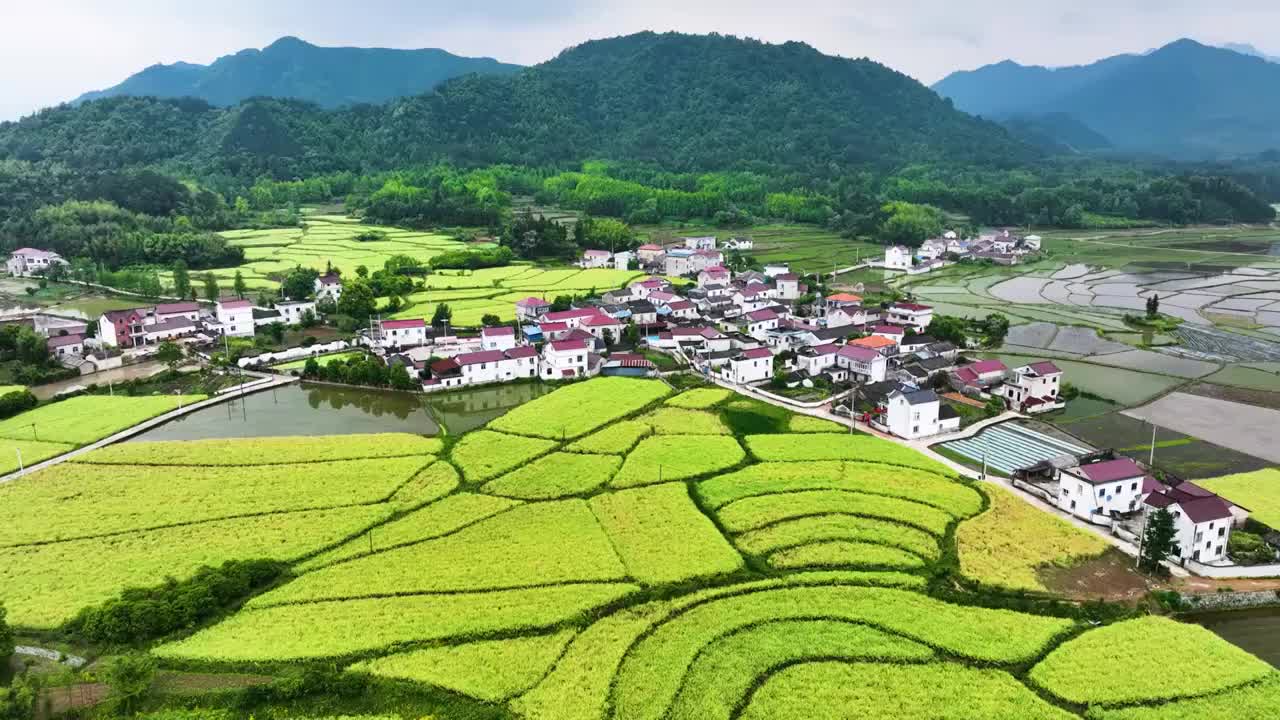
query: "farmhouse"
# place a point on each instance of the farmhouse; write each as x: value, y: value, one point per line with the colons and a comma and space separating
x: 122, y: 328
x: 400, y: 333
x: 27, y: 262
x: 700, y: 243
x: 293, y: 312
x: 236, y: 317
x: 749, y: 366
x: 649, y: 253
x: 594, y: 259
x: 531, y: 308
x: 910, y: 413
x: 497, y: 338
x: 1101, y: 488
x: 1033, y: 388
x: 897, y: 257
x: 184, y: 310
x: 66, y: 346
x: 864, y: 364
x: 979, y: 375
x: 1202, y: 521
x: 329, y: 287
x: 565, y: 359
x: 910, y: 314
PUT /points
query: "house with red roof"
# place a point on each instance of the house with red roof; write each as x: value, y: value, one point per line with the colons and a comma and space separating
x: 401, y: 333
x: 65, y: 346
x: 880, y: 344
x: 914, y: 314
x: 816, y: 359
x: 236, y: 317
x: 757, y: 324
x: 1034, y: 388
x: 554, y: 330
x: 169, y: 311
x: 122, y: 328
x: 979, y: 375
x: 595, y: 259
x: 29, y: 262
x: 502, y: 337
x: 1202, y: 521
x: 572, y: 317
x: 788, y: 286
x: 483, y: 367
x: 714, y: 275
x: 748, y: 366
x: 329, y: 287
x: 650, y: 253
x: 868, y: 365
x: 531, y: 308
x: 890, y: 332
x: 1094, y: 491
x: 600, y: 325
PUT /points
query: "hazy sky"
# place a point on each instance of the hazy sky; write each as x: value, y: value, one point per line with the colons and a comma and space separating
x: 53, y: 50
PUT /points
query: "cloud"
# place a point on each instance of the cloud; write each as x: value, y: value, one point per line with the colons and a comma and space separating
x: 53, y: 50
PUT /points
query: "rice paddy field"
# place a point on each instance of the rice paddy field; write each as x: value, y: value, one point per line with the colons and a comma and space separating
x: 326, y: 240
x: 808, y: 248
x: 670, y: 555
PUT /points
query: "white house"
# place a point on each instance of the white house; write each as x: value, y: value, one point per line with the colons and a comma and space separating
x: 678, y: 262
x: 714, y: 275
x: 402, y: 333
x: 66, y: 346
x: 236, y: 317
x: 892, y: 332
x: 865, y: 364
x: 489, y: 366
x: 1101, y: 488
x: 788, y: 286
x: 683, y: 309
x: 565, y: 359
x: 572, y: 318
x: 817, y: 358
x: 292, y: 311
x: 1034, y: 388
x: 980, y: 374
x: 738, y: 244
x: 913, y: 414
x: 641, y: 289
x: 914, y: 314
x: 932, y: 249
x: 775, y: 269
x: 749, y: 366
x: 622, y: 260
x: 531, y: 308
x: 649, y: 253
x: 497, y: 338
x: 174, y: 328
x: 760, y: 322
x: 169, y: 311
x: 1202, y: 521
x: 1032, y: 242
x: 25, y: 262
x: 897, y: 257
x: 600, y: 325
x: 329, y: 286
x: 700, y: 243
x: 595, y: 259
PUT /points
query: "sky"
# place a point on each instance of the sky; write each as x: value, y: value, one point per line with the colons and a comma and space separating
x: 54, y: 50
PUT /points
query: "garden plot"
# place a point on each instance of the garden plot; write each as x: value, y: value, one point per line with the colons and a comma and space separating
x: 1083, y: 341
x: 1244, y: 428
x: 1259, y: 491
x: 1008, y: 446
x: 1148, y: 361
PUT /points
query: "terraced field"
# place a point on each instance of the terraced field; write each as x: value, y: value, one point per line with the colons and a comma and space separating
x: 692, y: 559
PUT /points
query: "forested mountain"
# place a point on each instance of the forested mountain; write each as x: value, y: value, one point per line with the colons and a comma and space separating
x: 290, y: 68
x: 679, y: 101
x: 1057, y: 133
x: 1184, y: 100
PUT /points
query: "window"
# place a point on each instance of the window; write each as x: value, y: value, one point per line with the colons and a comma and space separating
x: 1222, y: 531
x: 1134, y: 486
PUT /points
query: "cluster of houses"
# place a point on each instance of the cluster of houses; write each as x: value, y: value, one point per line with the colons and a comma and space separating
x: 30, y: 262
x: 1116, y: 491
x: 1002, y: 247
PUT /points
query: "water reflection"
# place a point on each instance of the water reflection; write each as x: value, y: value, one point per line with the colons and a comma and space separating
x: 307, y: 409
x: 1256, y: 630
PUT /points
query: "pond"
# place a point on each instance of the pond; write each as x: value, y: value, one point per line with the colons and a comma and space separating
x: 1256, y: 630
x: 308, y: 409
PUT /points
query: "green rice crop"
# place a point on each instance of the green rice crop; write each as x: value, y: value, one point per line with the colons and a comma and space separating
x: 524, y: 546
x: 432, y: 483
x: 933, y: 691
x: 662, y: 537
x: 724, y: 672
x: 45, y: 585
x: 1257, y: 701
x: 830, y: 446
x: 675, y: 457
x: 32, y: 452
x: 578, y: 687
x: 756, y: 512
x: 321, y: 360
x: 485, y: 454
x: 489, y: 670
x: 439, y: 518
x: 337, y: 629
x: 678, y: 421
x: 616, y: 439
x: 264, y: 451
x: 581, y: 407
x: 651, y: 674
x: 700, y: 398
x: 1259, y: 491
x: 809, y: 424
x: 820, y: 528
x: 1097, y: 667
x: 89, y: 418
x: 957, y: 499
x: 555, y: 476
x: 71, y: 500
x: 844, y: 553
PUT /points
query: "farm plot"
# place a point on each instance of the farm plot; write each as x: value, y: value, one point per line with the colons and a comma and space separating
x: 30, y: 452
x: 616, y: 439
x: 88, y: 418
x: 581, y: 408
x: 555, y: 476
x: 1124, y: 386
x: 844, y: 553
x: 485, y: 454
x: 678, y: 421
x: 264, y: 451
x: 676, y: 457
x: 822, y: 446
x: 700, y: 398
x: 1012, y: 540
x: 1259, y: 491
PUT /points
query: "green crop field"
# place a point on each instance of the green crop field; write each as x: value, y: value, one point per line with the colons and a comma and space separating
x: 1259, y: 491
x: 87, y: 418
x: 572, y: 561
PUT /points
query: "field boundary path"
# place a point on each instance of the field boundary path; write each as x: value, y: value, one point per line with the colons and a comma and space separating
x: 265, y: 383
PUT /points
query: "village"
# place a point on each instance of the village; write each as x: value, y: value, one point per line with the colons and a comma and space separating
x: 761, y: 331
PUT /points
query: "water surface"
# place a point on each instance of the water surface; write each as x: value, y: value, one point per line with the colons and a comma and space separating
x: 1256, y: 630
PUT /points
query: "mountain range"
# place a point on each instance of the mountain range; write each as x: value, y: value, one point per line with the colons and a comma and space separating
x: 291, y: 68
x: 678, y: 102
x: 1185, y: 100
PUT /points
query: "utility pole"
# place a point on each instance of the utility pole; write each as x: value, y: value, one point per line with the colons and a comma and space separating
x: 1151, y: 461
x: 20, y: 467
x: 984, y: 464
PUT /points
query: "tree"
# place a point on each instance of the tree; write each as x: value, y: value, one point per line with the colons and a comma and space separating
x: 561, y: 303
x: 950, y: 329
x: 299, y: 283
x: 995, y: 327
x: 211, y: 291
x: 276, y: 331
x: 129, y: 677
x: 442, y: 315
x: 238, y: 285
x: 358, y: 300
x: 490, y: 320
x: 608, y: 338
x: 311, y: 368
x: 308, y: 319
x: 6, y: 637
x: 170, y: 353
x: 400, y: 380
x: 631, y: 335
x: 1159, y: 541
x: 1153, y: 307
x: 362, y: 272
x: 994, y: 406
x: 181, y: 279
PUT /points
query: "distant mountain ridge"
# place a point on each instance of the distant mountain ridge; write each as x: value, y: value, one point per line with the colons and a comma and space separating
x: 1185, y: 100
x: 292, y: 68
